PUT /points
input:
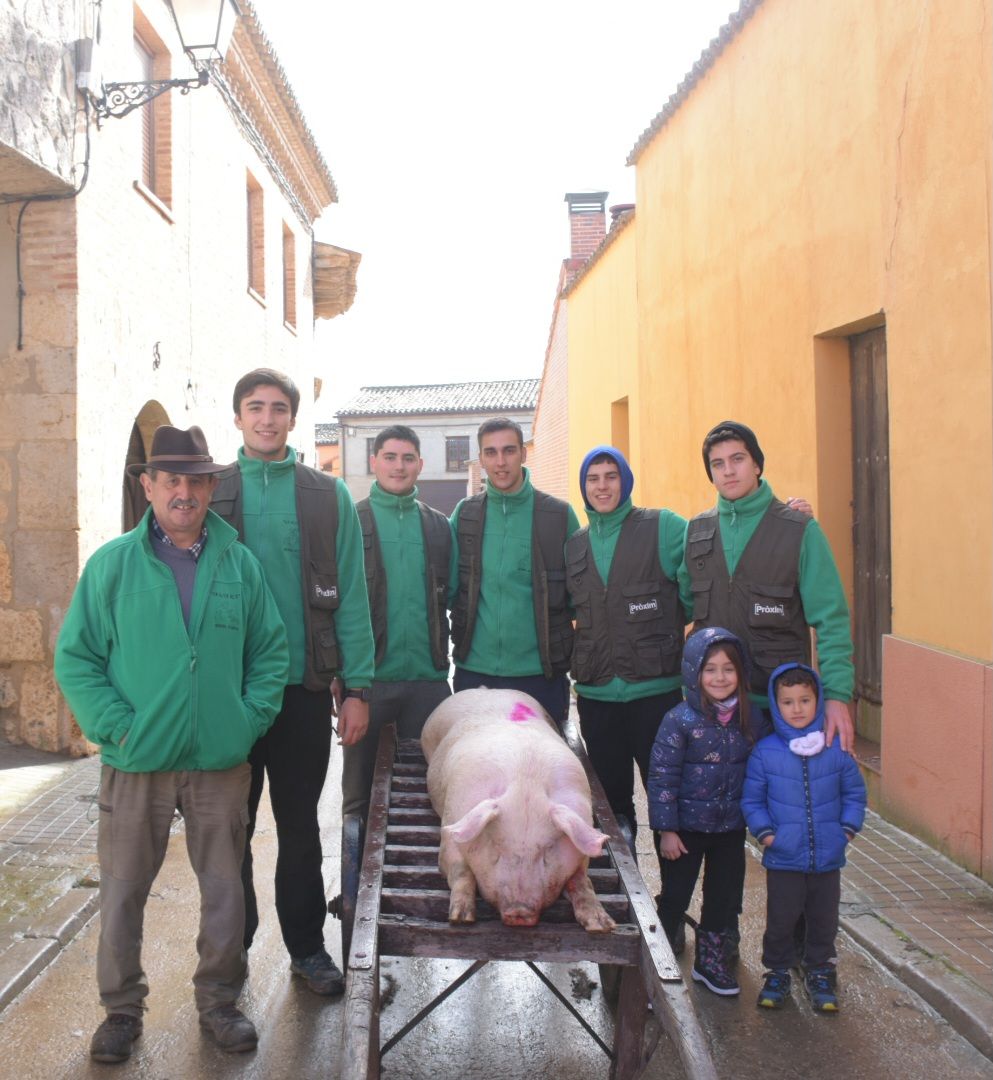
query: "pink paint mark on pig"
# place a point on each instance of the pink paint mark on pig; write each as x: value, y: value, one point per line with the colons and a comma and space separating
x: 521, y: 713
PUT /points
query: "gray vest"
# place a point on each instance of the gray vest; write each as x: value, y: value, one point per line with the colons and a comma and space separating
x: 317, y: 518
x: 552, y: 619
x: 761, y: 603
x: 633, y: 626
x: 437, y: 554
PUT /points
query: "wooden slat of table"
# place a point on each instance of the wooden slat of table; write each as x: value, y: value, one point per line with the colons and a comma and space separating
x: 433, y: 904
x: 401, y: 935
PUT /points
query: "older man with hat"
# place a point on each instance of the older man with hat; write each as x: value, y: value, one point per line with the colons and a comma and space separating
x: 173, y: 659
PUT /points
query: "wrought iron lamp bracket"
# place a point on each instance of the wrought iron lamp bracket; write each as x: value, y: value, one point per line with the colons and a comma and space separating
x: 120, y: 98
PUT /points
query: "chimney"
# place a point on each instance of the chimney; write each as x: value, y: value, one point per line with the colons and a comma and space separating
x: 587, y: 222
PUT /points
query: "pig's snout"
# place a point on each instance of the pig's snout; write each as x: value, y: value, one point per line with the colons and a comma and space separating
x: 519, y: 915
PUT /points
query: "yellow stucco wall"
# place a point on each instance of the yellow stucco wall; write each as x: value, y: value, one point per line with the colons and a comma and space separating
x: 829, y: 172
x: 603, y: 354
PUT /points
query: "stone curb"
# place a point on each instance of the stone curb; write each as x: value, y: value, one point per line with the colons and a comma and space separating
x: 27, y: 958
x: 959, y: 1001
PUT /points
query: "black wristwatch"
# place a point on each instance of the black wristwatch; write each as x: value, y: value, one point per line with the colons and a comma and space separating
x: 362, y: 693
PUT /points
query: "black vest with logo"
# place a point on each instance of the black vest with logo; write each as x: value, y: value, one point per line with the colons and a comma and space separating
x: 317, y: 519
x: 552, y: 620
x: 437, y: 554
x: 632, y: 627
x: 761, y: 603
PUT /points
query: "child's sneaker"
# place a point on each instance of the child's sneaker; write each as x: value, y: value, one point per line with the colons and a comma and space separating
x: 821, y: 983
x: 775, y: 990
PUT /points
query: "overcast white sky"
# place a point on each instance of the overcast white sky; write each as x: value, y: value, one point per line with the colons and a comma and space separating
x: 453, y: 131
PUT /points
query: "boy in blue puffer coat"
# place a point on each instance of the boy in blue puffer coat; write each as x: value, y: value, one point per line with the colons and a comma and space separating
x: 804, y: 802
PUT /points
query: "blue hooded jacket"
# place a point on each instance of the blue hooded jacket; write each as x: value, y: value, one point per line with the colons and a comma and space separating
x: 811, y: 804
x: 698, y: 764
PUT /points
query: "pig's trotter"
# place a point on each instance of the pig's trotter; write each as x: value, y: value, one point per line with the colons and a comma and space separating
x: 462, y: 907
x: 587, y: 909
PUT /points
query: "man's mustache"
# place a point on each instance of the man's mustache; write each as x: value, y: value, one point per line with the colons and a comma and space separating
x: 184, y: 504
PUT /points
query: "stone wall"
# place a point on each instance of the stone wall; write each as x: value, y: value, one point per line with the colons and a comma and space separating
x: 38, y: 517
x: 37, y: 99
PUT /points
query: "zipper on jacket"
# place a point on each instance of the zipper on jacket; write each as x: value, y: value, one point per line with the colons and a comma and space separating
x: 808, y: 807
x: 197, y: 615
x: 264, y: 503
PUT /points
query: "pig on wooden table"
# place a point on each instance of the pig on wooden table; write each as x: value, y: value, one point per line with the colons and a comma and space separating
x: 514, y: 804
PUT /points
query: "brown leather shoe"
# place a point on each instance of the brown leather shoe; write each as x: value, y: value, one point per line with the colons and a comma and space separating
x: 113, y: 1039
x: 228, y: 1026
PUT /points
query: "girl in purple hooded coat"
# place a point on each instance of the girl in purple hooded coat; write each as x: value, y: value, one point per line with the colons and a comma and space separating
x: 694, y: 799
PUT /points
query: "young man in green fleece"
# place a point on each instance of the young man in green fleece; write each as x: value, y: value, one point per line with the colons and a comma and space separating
x: 765, y: 571
x: 408, y: 549
x: 511, y: 621
x: 622, y: 575
x: 302, y: 526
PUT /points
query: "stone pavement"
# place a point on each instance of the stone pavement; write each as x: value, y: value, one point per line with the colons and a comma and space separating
x: 926, y: 919
x: 48, y: 859
x: 919, y: 914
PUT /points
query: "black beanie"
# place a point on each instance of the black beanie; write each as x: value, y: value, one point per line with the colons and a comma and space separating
x: 731, y: 429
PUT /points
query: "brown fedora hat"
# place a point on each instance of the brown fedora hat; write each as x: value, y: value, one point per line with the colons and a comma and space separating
x: 178, y: 451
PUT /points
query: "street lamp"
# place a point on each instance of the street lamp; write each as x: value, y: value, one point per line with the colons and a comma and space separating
x: 205, y: 28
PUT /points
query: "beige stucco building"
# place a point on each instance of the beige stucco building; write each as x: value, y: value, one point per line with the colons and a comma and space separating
x: 181, y: 256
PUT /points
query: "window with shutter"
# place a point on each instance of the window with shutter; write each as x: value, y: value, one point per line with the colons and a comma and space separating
x: 154, y: 164
x: 255, y: 237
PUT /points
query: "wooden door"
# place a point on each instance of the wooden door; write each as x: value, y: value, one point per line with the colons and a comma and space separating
x: 871, y: 519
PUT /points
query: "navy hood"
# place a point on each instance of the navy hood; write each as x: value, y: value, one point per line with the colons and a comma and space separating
x: 786, y: 731
x: 627, y: 477
x: 697, y: 645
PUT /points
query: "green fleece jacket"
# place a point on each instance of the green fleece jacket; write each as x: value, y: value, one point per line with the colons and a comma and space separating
x: 505, y: 639
x: 158, y: 697
x: 401, y: 541
x: 824, y: 604
x: 603, y: 534
x: 272, y: 534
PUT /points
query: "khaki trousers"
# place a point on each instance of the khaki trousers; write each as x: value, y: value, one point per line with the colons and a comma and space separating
x: 136, y: 811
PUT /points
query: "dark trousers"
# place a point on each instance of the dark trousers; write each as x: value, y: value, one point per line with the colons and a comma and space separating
x: 790, y: 895
x: 294, y: 753
x: 723, y: 859
x: 619, y: 735
x: 551, y: 694
x: 406, y: 704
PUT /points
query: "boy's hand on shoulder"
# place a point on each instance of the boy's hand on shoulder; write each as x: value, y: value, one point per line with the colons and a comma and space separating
x: 768, y: 840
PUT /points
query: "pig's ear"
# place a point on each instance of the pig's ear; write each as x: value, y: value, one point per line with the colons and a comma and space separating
x: 472, y: 824
x: 587, y: 839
